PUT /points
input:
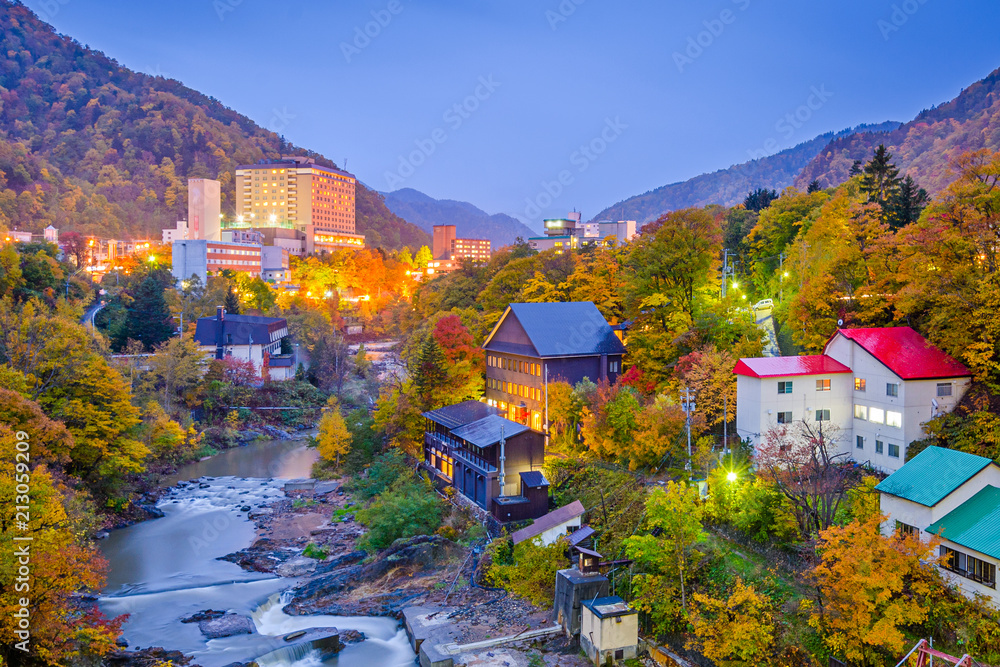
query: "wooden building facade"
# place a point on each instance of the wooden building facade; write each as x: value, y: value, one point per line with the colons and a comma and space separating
x: 462, y: 447
x: 564, y: 342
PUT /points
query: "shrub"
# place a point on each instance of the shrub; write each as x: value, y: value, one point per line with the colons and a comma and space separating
x: 408, y: 507
x: 527, y: 570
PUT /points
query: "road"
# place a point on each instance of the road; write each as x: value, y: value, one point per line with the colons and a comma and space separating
x: 88, y: 317
x: 771, y: 339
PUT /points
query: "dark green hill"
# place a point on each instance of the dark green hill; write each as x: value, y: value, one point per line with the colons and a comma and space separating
x: 87, y: 144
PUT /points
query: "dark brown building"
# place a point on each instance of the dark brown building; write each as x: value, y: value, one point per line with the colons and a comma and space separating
x: 462, y: 445
x: 559, y: 341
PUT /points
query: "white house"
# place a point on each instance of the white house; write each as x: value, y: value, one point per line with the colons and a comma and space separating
x: 955, y: 496
x: 547, y: 529
x: 247, y: 337
x: 878, y: 386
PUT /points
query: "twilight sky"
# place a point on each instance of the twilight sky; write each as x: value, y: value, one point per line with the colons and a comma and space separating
x: 493, y: 101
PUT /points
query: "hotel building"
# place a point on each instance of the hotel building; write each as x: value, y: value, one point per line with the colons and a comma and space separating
x: 299, y: 194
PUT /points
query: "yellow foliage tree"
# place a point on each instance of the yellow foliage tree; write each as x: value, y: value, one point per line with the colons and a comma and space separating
x: 59, y: 564
x: 334, y: 440
x: 737, y: 631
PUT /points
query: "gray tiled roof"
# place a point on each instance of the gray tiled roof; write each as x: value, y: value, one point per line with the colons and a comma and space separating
x: 460, y: 414
x: 263, y: 330
x: 487, y: 431
x: 575, y: 328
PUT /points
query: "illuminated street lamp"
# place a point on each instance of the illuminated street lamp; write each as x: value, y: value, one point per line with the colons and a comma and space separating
x: 732, y: 476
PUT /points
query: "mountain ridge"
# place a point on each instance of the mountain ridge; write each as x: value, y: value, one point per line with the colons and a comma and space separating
x: 470, y: 221
x: 925, y: 146
x: 728, y: 186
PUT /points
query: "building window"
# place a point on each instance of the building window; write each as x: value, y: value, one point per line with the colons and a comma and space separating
x: 893, y: 451
x: 860, y: 384
x: 968, y: 566
x: 944, y: 389
x: 785, y: 387
x: 894, y: 419
x: 822, y: 385
x: 860, y: 412
x: 906, y: 530
x: 784, y: 417
x: 859, y: 442
x: 879, y: 447
x: 876, y: 415
x: 822, y: 415
x: 892, y: 389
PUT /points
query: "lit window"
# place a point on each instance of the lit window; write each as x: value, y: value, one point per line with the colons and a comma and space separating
x: 859, y: 384
x: 894, y: 419
x: 876, y: 415
x: 860, y: 412
x: 822, y: 385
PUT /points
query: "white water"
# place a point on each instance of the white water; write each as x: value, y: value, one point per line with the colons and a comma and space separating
x: 166, y: 569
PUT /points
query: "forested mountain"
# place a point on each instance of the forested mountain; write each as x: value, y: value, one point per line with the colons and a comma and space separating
x: 728, y: 186
x: 470, y: 222
x: 87, y: 144
x: 924, y: 147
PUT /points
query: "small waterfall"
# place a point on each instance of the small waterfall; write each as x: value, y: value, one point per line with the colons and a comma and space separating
x: 300, y: 655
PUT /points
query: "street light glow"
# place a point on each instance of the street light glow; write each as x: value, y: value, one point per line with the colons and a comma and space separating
x: 736, y: 285
x: 731, y: 477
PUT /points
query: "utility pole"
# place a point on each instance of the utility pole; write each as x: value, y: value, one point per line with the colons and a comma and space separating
x: 687, y: 404
x: 725, y: 422
x: 781, y: 277
x: 725, y: 270
x: 502, y: 477
x: 546, y: 406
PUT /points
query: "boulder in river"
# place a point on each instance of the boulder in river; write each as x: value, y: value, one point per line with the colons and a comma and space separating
x: 296, y: 567
x: 227, y: 625
x: 206, y: 615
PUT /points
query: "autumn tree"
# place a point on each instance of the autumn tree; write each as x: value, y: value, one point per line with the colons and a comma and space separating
x: 666, y: 553
x: 423, y: 257
x: 527, y: 570
x: 62, y: 564
x: 869, y: 590
x: 737, y: 631
x: 671, y: 266
x: 333, y: 439
x: 176, y: 369
x: 802, y: 461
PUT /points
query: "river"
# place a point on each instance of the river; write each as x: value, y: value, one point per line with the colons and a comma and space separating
x: 165, y: 569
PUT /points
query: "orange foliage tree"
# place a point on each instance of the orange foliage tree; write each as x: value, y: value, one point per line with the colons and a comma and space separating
x: 869, y: 589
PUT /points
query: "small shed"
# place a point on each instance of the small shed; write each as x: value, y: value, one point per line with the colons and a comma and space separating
x: 609, y: 630
x: 572, y: 588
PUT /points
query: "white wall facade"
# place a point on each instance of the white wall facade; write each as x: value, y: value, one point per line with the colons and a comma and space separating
x: 921, y: 516
x: 967, y: 586
x: 758, y: 402
x: 913, y: 403
x: 552, y: 535
x: 600, y: 638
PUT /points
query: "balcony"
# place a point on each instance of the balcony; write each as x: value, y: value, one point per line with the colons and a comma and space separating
x: 453, y: 448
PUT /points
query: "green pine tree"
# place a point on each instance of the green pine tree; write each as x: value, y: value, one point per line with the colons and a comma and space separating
x: 908, y: 204
x: 430, y: 373
x: 759, y: 199
x: 814, y: 186
x: 880, y: 180
x: 232, y: 302
x: 147, y: 318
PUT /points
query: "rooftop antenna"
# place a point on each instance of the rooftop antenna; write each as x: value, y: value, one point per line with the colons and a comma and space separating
x: 345, y: 164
